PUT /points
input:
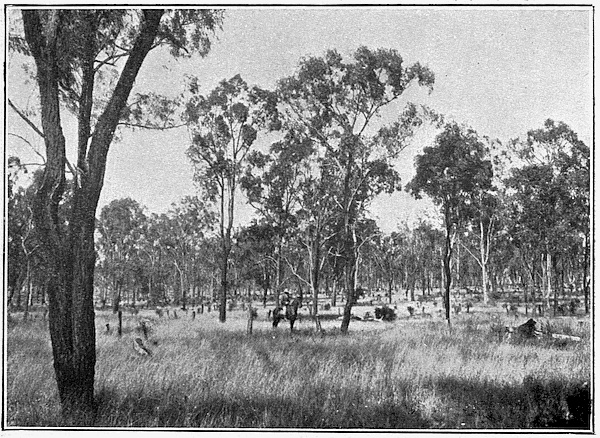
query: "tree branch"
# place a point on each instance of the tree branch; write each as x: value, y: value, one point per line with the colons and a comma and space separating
x: 24, y: 117
x: 157, y: 128
x: 30, y: 145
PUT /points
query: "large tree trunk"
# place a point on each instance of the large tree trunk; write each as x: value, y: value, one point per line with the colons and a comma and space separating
x: 71, y: 261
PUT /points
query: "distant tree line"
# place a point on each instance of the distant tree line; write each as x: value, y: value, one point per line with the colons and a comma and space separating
x: 525, y: 233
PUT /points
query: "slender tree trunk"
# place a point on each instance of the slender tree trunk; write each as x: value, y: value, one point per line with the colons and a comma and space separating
x: 447, y: 269
x: 315, y: 277
x: 265, y: 293
x: 484, y: 256
x: 334, y: 293
x: 548, y: 280
x: 350, y: 278
x: 28, y: 294
x: 278, y: 273
x: 117, y: 295
x: 182, y: 288
x: 458, y: 282
x: 223, y: 299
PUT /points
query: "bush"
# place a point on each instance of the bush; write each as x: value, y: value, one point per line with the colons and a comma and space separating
x: 385, y: 313
x: 556, y: 403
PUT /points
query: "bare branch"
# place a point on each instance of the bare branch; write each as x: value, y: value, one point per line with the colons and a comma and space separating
x: 158, y: 128
x: 109, y: 60
x: 30, y: 145
x: 26, y: 119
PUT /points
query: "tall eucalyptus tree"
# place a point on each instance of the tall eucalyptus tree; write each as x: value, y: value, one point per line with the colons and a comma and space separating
x: 453, y: 172
x: 73, y: 50
x: 223, y: 127
x: 335, y: 104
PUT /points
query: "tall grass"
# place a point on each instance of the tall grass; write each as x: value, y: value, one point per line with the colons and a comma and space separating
x: 410, y: 374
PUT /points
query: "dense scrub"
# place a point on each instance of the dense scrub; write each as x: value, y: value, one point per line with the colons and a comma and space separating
x: 409, y: 374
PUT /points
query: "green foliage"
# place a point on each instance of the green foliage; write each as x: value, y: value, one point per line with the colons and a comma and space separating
x: 255, y: 245
x: 109, y: 35
x: 550, y: 194
x: 224, y: 127
x: 332, y: 103
x: 454, y: 172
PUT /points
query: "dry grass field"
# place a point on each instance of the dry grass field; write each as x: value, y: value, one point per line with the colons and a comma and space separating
x: 413, y: 373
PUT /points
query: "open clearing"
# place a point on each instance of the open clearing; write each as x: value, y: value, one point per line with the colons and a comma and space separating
x: 412, y: 373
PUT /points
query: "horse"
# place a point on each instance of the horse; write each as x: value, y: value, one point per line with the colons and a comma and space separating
x: 291, y: 312
x: 277, y: 316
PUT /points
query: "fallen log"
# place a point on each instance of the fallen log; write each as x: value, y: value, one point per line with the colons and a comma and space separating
x: 138, y: 346
x: 566, y: 337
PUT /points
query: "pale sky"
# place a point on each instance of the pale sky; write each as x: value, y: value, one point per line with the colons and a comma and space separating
x: 502, y: 70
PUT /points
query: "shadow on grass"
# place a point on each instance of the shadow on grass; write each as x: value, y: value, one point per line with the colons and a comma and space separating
x: 537, y: 403
x: 216, y: 411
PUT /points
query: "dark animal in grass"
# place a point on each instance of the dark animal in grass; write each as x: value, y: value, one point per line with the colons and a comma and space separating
x: 140, y: 348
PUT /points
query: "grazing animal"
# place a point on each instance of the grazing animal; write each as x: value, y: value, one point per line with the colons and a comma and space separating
x: 138, y: 346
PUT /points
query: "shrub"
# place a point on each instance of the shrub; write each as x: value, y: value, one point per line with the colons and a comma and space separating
x: 385, y: 313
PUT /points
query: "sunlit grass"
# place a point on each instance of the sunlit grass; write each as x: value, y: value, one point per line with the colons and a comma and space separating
x: 410, y: 374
